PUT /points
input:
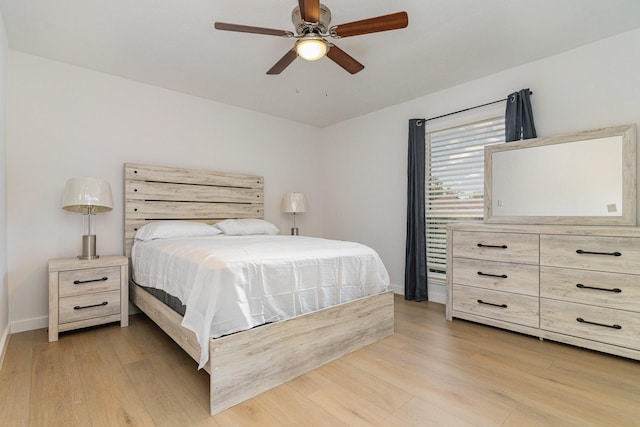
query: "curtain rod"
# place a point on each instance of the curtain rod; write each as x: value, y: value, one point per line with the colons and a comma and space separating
x: 470, y: 108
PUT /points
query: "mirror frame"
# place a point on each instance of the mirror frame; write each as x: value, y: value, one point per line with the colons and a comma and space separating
x: 629, y: 178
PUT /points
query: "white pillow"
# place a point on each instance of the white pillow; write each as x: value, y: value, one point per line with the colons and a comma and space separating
x: 169, y: 229
x: 242, y: 227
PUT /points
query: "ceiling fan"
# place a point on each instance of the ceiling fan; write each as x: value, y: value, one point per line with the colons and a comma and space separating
x: 311, y: 21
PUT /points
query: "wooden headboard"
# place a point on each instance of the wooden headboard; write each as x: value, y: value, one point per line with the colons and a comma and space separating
x: 155, y: 193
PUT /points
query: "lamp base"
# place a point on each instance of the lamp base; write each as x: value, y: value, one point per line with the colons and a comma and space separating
x: 89, y: 247
x: 294, y: 231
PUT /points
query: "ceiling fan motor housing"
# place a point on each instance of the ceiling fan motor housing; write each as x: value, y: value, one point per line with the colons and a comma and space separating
x: 303, y: 27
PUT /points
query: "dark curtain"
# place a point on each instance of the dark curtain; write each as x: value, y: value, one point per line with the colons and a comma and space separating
x: 415, y: 276
x: 519, y: 117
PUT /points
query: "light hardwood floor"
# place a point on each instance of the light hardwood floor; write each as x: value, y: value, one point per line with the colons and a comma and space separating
x: 430, y: 373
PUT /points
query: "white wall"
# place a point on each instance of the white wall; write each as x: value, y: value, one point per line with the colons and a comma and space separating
x: 4, y: 283
x: 66, y: 121
x: 590, y: 87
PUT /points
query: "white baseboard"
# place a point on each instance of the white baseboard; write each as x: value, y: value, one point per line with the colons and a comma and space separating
x: 4, y: 342
x: 29, y: 324
x: 437, y: 293
x: 397, y: 289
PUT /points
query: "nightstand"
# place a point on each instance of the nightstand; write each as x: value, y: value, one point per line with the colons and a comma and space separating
x: 87, y: 293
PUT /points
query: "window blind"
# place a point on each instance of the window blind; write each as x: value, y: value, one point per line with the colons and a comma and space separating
x: 455, y: 182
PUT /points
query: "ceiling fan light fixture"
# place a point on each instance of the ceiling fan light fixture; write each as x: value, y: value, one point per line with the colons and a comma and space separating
x: 312, y: 48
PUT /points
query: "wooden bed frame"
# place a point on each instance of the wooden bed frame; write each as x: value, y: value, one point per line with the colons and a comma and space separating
x: 247, y: 363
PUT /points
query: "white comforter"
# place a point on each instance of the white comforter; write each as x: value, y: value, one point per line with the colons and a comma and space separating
x: 233, y: 283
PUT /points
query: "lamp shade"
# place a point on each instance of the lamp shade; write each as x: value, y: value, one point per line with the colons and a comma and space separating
x: 87, y: 194
x: 294, y: 203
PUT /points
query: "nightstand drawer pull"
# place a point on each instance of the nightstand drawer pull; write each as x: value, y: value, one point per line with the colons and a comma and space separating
x: 80, y: 307
x: 80, y: 282
x: 581, y: 320
x: 581, y: 252
x: 482, y: 245
x: 616, y: 290
x: 501, y: 276
x: 490, y: 303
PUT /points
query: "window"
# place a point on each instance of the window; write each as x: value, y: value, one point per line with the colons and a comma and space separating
x: 455, y: 182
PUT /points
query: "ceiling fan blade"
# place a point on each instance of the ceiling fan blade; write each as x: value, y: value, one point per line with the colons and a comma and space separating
x: 283, y: 62
x: 393, y: 21
x: 310, y: 10
x: 344, y: 60
x: 254, y: 30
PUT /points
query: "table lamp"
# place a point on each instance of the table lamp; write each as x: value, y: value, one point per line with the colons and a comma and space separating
x: 87, y: 196
x: 294, y: 203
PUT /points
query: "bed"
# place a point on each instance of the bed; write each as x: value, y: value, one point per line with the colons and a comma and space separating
x: 244, y: 364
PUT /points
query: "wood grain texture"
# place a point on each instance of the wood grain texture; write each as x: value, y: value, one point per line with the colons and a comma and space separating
x: 516, y: 278
x: 68, y: 264
x: 519, y: 248
x: 561, y: 317
x: 561, y: 284
x: 565, y: 230
x: 275, y: 353
x: 89, y: 306
x: 155, y: 193
x: 140, y: 172
x: 54, y: 300
x: 197, y: 193
x: 92, y: 281
x: 561, y: 251
x: 57, y: 390
x: 430, y: 372
x: 505, y: 306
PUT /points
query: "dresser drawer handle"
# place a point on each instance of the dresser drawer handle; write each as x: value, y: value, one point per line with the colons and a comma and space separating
x: 581, y: 320
x: 492, y: 304
x: 581, y: 252
x: 616, y: 290
x: 81, y: 282
x: 482, y: 245
x: 80, y: 307
x: 502, y: 276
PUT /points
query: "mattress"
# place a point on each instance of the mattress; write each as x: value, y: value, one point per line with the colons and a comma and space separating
x: 169, y: 300
x: 233, y: 283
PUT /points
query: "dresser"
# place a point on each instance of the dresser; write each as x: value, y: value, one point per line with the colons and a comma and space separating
x: 86, y: 293
x: 576, y: 285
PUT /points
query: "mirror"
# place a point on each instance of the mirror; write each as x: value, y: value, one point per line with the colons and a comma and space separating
x: 586, y: 178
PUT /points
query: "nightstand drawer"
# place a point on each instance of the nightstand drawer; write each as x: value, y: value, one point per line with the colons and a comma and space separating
x: 82, y: 307
x: 80, y: 282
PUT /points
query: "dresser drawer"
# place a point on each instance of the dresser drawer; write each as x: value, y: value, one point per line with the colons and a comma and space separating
x: 78, y: 282
x: 506, y: 247
x: 591, y: 323
x: 613, y: 290
x: 504, y: 306
x: 508, y: 277
x: 615, y: 254
x: 82, y: 307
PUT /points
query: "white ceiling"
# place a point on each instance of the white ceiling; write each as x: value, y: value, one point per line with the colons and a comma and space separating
x: 172, y: 44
